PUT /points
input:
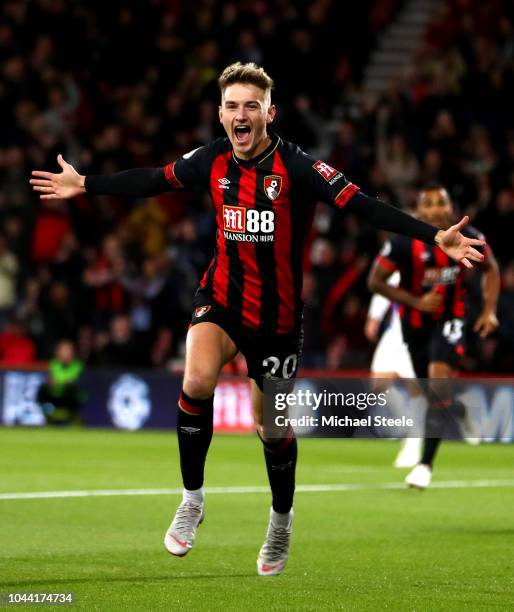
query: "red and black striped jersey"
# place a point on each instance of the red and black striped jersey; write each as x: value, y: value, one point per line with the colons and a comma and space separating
x: 424, y: 267
x: 264, y: 209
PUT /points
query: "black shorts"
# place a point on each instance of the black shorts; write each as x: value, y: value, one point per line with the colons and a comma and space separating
x: 268, y: 355
x: 439, y: 341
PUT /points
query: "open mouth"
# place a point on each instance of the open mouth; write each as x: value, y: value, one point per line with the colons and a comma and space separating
x: 242, y: 133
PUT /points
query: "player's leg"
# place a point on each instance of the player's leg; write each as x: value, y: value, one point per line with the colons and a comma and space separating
x: 392, y: 362
x: 382, y: 381
x: 276, y: 356
x: 280, y: 455
x: 208, y: 348
x: 417, y: 342
x: 440, y: 399
x: 411, y: 448
x: 412, y: 445
x: 445, y: 346
x: 382, y: 368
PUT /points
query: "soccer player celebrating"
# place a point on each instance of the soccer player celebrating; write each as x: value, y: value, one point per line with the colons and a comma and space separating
x: 264, y: 191
x: 431, y: 295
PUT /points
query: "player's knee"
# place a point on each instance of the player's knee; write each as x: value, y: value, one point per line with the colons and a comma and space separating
x: 199, y: 385
x: 380, y: 384
x: 272, y: 436
x: 261, y: 432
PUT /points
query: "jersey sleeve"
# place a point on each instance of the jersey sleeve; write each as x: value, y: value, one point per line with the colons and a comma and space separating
x: 192, y: 170
x: 323, y: 182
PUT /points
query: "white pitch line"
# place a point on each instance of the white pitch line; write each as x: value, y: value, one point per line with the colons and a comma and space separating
x: 318, y: 488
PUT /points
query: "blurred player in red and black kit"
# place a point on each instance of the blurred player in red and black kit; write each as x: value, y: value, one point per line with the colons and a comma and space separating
x: 432, y: 302
x: 264, y: 192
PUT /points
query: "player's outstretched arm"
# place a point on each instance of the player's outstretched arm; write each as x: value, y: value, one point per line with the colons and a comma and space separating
x: 378, y: 307
x: 386, y: 217
x: 457, y: 246
x: 67, y: 184
x: 377, y: 283
x: 139, y: 182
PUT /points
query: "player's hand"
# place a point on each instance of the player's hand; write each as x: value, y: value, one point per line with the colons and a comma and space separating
x: 67, y: 184
x: 371, y: 328
x: 459, y: 247
x: 429, y: 301
x: 486, y: 324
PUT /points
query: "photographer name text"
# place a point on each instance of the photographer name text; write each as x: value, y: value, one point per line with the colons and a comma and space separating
x: 343, y: 421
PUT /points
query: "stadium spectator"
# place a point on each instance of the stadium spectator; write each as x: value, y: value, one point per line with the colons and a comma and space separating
x: 121, y: 349
x: 397, y: 162
x: 8, y: 277
x: 52, y: 224
x: 59, y: 316
x: 16, y: 348
x: 61, y: 395
x: 104, y: 275
x: 146, y: 229
x: 349, y: 348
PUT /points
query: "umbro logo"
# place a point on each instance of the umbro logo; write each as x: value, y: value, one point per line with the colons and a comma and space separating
x: 190, y: 430
x: 224, y: 183
x: 282, y: 466
x: 425, y: 255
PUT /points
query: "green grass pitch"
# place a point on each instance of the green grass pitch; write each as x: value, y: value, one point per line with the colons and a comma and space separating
x: 365, y: 549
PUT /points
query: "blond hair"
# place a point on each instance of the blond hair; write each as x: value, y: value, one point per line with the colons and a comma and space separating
x: 246, y: 73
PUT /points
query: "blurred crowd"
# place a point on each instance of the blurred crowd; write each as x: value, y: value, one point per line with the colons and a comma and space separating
x: 113, y: 86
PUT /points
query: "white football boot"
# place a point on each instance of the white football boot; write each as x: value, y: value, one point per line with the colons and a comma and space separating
x: 275, y: 550
x: 180, y: 537
x: 419, y: 477
x: 409, y: 454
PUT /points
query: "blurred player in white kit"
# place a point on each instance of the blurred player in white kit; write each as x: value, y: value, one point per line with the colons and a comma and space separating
x: 391, y: 360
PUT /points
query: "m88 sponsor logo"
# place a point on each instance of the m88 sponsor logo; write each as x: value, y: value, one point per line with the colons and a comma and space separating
x: 248, y: 224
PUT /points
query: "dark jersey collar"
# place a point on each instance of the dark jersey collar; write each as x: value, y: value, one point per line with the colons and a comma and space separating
x: 247, y: 163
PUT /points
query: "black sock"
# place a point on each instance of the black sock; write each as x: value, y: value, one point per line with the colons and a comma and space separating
x: 280, y: 456
x: 435, y: 420
x: 430, y: 446
x: 194, y: 431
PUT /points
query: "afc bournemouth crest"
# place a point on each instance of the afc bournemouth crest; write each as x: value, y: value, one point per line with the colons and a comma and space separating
x: 201, y: 310
x: 272, y: 186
